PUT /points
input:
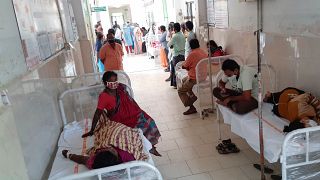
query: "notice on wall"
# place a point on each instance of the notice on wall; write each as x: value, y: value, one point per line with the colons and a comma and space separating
x: 221, y: 14
x: 40, y: 29
x: 210, y: 11
x: 217, y: 13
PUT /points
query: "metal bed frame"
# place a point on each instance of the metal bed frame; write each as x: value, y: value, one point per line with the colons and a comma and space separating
x: 98, y: 173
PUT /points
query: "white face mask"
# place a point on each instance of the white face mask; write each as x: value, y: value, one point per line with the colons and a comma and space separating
x: 112, y: 85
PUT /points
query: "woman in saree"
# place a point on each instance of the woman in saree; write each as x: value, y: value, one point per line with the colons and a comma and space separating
x: 302, y: 109
x: 137, y: 40
x: 122, y: 108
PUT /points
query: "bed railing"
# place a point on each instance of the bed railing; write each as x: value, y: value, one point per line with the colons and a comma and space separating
x: 305, y: 162
x: 126, y: 166
x: 203, y: 71
x: 81, y: 102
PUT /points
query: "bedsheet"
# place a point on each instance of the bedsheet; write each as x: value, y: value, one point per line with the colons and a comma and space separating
x: 71, y: 139
x: 247, y: 127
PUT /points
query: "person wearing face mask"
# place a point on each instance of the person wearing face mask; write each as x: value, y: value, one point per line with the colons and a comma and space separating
x: 243, y: 95
x: 111, y: 54
x: 122, y: 108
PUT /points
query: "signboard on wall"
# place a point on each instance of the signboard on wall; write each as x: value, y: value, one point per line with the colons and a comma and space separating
x: 99, y: 9
x: 210, y: 11
x: 217, y: 13
x: 221, y: 13
x: 40, y: 29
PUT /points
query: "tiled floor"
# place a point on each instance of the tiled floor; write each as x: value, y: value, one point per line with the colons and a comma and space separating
x: 188, y: 143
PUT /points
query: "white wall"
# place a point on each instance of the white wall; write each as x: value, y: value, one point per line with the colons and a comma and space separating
x: 138, y: 12
x: 242, y: 16
x: 12, y: 164
x: 171, y: 11
x: 125, y: 10
x: 12, y: 61
x: 30, y: 127
x: 293, y: 17
x: 86, y: 38
x: 292, y: 42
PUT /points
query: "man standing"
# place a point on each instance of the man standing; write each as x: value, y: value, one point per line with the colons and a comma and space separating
x: 185, y: 91
x: 177, y: 43
x: 242, y: 98
x: 191, y: 35
x: 112, y: 31
x: 111, y: 54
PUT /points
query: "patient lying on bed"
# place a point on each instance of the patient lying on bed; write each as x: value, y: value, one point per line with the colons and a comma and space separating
x: 300, y: 108
x: 114, y: 143
x: 105, y: 157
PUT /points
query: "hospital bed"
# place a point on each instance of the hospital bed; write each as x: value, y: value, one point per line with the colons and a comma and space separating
x: 298, y: 151
x: 300, y: 156
x: 202, y: 89
x: 77, y: 106
x: 246, y: 126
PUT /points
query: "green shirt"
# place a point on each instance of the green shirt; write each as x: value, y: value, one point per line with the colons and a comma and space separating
x: 248, y: 80
x: 178, y: 42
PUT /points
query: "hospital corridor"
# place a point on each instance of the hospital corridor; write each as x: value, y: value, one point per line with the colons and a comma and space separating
x: 159, y: 90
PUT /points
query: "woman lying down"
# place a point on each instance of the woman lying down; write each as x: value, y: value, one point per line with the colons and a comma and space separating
x: 300, y: 108
x: 114, y: 143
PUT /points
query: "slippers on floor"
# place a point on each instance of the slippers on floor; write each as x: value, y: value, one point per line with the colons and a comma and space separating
x: 266, y: 169
x: 227, y: 147
x: 276, y: 177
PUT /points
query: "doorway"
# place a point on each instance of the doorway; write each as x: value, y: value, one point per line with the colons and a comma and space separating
x: 117, y: 17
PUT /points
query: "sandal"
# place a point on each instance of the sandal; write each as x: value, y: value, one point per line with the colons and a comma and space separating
x: 221, y: 146
x: 223, y: 151
x: 233, y: 148
x: 227, y: 147
x: 227, y: 141
x: 276, y: 177
x: 266, y: 169
x: 224, y: 144
x: 154, y: 152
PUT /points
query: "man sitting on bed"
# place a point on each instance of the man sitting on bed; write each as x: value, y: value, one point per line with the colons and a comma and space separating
x: 300, y: 108
x: 242, y: 97
x: 117, y: 144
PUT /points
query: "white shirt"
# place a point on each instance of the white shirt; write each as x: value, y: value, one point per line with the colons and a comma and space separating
x: 187, y: 47
x: 118, y: 34
x: 248, y: 80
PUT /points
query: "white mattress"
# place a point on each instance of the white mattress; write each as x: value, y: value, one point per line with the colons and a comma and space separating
x: 247, y: 126
x: 71, y: 139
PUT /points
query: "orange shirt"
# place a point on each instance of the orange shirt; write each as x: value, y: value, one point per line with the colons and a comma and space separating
x: 191, y: 62
x: 111, y: 57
